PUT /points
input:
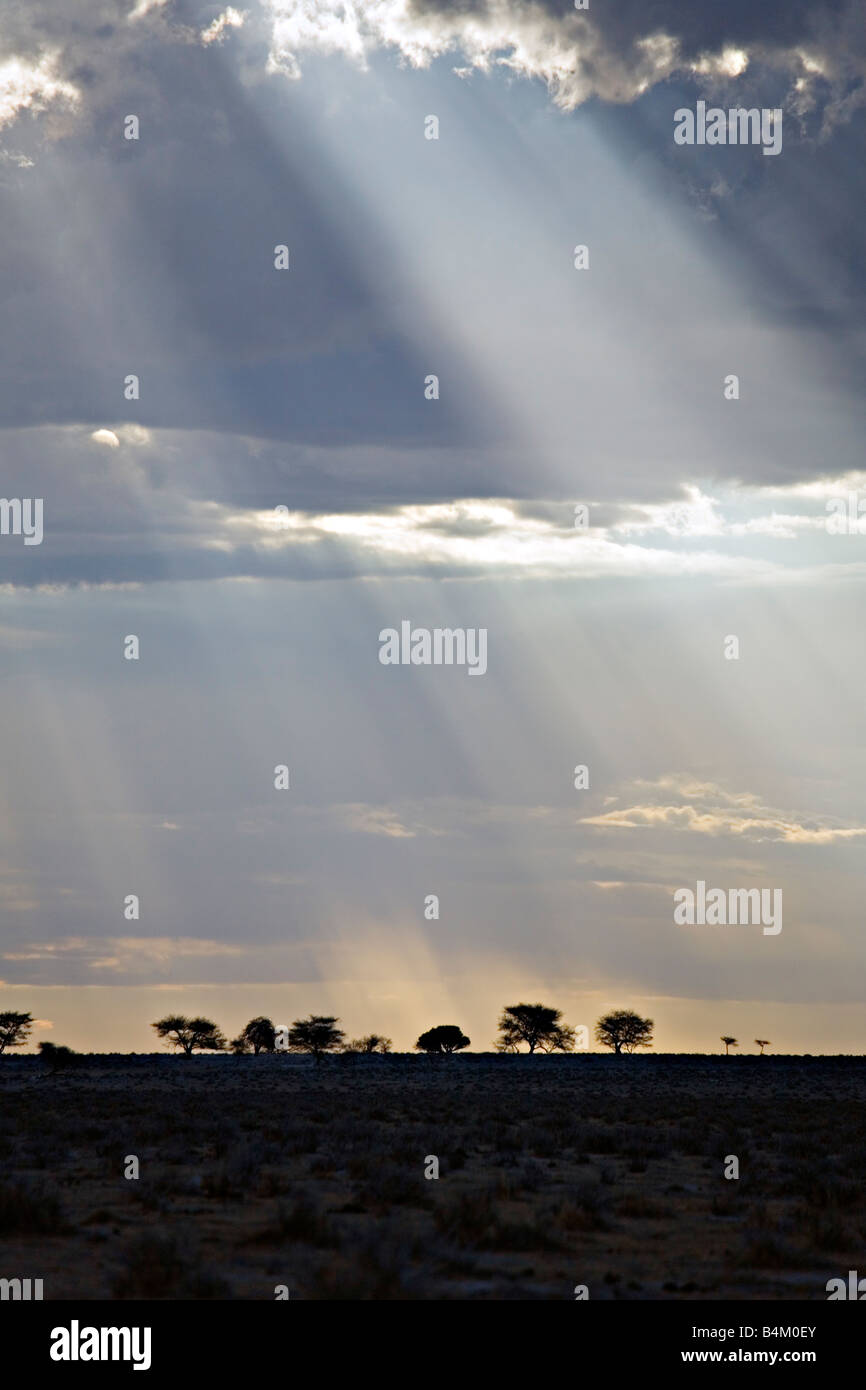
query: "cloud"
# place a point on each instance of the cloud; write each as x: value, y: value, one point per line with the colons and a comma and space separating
x: 210, y: 542
x: 21, y: 161
x: 127, y: 505
x: 127, y: 953
x: 567, y: 51
x: 106, y: 437
x: 615, y: 53
x: 20, y: 638
x: 33, y: 87
x: 145, y: 7
x: 229, y: 19
x: 372, y: 820
x: 349, y: 371
x: 699, y: 515
x: 134, y: 435
x: 708, y: 809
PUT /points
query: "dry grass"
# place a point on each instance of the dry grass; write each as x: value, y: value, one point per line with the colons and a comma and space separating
x: 553, y: 1171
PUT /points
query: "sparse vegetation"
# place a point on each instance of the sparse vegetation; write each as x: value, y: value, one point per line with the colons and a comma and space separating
x: 373, y: 1042
x: 279, y: 1172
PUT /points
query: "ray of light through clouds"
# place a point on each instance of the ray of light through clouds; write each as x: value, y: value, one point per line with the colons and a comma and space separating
x: 282, y: 491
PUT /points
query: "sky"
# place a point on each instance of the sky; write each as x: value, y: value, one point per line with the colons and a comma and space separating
x: 285, y: 485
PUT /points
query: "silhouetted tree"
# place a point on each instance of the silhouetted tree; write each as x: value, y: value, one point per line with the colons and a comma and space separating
x: 537, y: 1025
x: 317, y: 1034
x: 445, y: 1038
x: 192, y: 1034
x: 373, y: 1042
x: 59, y: 1058
x: 14, y: 1029
x: 729, y: 1042
x: 624, y: 1030
x: 258, y: 1036
x: 762, y: 1043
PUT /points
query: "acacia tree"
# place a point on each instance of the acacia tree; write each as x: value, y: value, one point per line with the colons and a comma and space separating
x: 444, y: 1039
x: 537, y: 1025
x: 259, y: 1035
x: 191, y: 1034
x: 762, y: 1043
x: 624, y: 1030
x: 14, y: 1029
x: 729, y: 1043
x: 373, y: 1042
x: 317, y: 1035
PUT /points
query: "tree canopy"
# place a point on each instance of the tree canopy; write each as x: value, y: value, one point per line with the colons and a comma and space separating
x: 259, y: 1035
x: 624, y: 1030
x: 317, y: 1035
x: 191, y: 1034
x: 537, y: 1025
x: 14, y: 1029
x: 445, y: 1038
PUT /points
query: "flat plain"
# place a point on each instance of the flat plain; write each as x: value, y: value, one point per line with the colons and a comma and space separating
x: 554, y: 1172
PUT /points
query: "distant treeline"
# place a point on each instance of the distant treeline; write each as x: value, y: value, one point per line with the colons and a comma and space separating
x: 535, y: 1027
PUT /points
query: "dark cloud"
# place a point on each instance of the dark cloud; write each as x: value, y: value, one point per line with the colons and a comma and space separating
x: 156, y: 257
x: 699, y: 27
x: 306, y: 388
